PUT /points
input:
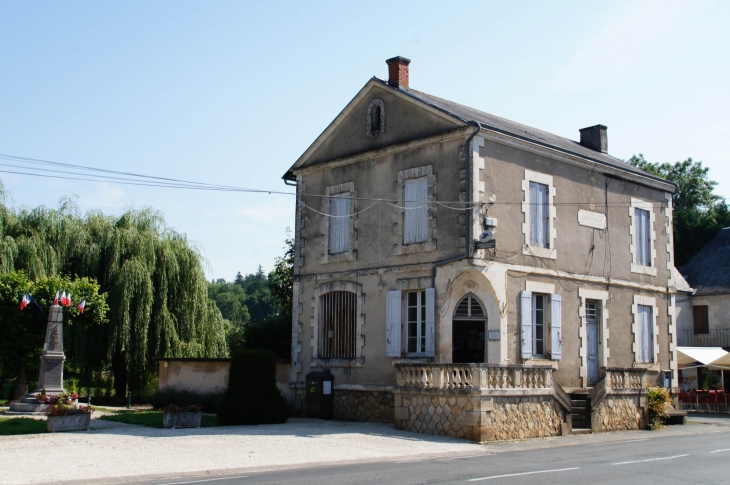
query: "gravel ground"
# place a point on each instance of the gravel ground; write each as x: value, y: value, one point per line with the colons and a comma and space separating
x: 120, y: 450
x: 114, y: 451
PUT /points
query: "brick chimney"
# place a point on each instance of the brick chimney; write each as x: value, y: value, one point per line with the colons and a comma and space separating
x: 398, y: 71
x: 595, y: 138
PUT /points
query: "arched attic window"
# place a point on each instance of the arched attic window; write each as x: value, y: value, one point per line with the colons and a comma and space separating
x: 469, y: 307
x: 376, y: 118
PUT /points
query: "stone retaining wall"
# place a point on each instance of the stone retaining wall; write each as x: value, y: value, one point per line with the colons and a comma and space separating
x: 373, y: 406
x: 463, y: 414
x: 618, y: 413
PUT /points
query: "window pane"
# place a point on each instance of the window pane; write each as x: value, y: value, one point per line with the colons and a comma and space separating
x: 539, y: 215
x: 412, y: 298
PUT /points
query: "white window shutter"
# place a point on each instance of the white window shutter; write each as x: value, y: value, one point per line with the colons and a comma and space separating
x: 430, y: 325
x: 392, y: 324
x: 340, y: 223
x: 416, y: 213
x: 526, y: 323
x: 556, y: 330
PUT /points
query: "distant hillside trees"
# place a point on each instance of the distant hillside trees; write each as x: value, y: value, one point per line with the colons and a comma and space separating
x: 153, y: 277
x: 699, y: 213
x: 258, y: 306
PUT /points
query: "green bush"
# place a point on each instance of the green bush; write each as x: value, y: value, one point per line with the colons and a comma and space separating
x: 252, y: 396
x: 208, y: 401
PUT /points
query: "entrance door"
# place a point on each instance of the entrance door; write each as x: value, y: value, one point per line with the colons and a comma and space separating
x: 468, y: 332
x: 592, y: 310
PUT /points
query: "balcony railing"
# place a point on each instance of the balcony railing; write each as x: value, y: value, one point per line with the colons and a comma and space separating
x: 716, y: 337
x: 474, y: 376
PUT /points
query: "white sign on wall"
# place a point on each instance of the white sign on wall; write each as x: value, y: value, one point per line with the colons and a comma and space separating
x: 592, y: 219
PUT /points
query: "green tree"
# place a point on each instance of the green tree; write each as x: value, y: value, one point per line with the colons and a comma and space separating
x: 699, y: 213
x: 22, y: 333
x: 154, y: 278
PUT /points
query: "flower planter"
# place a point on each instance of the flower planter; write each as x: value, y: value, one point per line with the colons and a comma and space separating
x: 182, y: 420
x: 69, y: 422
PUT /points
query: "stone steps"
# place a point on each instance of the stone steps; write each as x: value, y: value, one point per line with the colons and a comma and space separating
x: 580, y: 412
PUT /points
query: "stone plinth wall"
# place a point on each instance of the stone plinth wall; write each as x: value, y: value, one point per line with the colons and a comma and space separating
x: 618, y: 413
x: 470, y: 415
x: 373, y: 406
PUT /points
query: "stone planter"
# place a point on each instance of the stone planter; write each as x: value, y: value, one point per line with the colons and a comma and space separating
x: 182, y: 420
x: 70, y: 422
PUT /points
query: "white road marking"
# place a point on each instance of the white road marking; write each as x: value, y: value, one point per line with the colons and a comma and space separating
x: 718, y: 451
x: 206, y: 480
x: 524, y: 473
x: 614, y: 442
x: 650, y: 459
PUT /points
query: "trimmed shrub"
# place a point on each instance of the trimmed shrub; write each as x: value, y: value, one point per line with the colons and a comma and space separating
x: 252, y: 396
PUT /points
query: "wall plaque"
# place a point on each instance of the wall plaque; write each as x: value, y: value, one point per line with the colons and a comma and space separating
x: 494, y: 335
x: 592, y: 219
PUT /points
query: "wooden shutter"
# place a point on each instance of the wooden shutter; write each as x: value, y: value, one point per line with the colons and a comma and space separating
x: 392, y: 324
x: 645, y: 332
x: 340, y: 223
x: 526, y: 324
x: 416, y: 213
x: 702, y: 322
x: 556, y: 330
x: 430, y: 314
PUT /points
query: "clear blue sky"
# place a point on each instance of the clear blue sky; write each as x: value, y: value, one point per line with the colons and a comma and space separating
x: 233, y: 92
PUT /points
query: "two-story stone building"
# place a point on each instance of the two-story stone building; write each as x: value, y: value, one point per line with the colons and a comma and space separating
x: 423, y: 323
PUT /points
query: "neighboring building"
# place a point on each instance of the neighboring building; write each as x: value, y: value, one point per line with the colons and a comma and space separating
x: 391, y: 291
x: 708, y: 272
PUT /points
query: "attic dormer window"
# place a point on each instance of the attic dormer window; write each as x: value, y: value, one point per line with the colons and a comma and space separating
x: 376, y: 118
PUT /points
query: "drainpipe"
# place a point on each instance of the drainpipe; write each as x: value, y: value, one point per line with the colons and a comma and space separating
x: 467, y: 211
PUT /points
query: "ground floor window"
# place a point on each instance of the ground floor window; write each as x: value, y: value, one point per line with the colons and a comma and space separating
x: 646, y: 334
x: 416, y: 321
x: 539, y: 310
x: 338, y: 313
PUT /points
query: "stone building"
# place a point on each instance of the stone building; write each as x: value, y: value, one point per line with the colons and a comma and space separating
x: 466, y: 275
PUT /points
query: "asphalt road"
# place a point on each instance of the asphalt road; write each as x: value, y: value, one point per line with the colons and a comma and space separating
x: 687, y: 459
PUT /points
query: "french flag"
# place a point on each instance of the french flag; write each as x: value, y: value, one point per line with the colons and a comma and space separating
x: 81, y: 305
x: 55, y: 300
x: 24, y: 302
x: 65, y: 299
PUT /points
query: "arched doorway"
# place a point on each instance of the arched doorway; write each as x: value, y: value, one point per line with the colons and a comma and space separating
x: 468, y: 332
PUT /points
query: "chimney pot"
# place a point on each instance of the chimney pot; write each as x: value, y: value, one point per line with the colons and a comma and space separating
x: 398, y: 71
x: 595, y: 138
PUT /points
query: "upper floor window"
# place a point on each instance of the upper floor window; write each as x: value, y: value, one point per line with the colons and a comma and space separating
x: 539, y: 215
x: 339, y: 237
x: 538, y: 207
x: 376, y: 117
x: 338, y: 320
x: 643, y: 237
x: 416, y: 211
x: 701, y: 320
x: 646, y: 334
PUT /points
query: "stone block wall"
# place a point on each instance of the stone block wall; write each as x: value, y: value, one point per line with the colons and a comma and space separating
x: 461, y: 414
x: 618, y: 413
x: 373, y: 406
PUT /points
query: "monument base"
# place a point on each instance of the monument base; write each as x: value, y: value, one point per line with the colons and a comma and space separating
x: 28, y: 404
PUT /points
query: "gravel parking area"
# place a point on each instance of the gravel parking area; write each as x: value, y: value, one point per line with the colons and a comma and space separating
x: 118, y: 450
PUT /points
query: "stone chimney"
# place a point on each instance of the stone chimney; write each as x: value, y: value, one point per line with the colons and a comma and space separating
x: 595, y: 138
x: 398, y: 71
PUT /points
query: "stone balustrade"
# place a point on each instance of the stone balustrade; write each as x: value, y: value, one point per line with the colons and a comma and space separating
x: 625, y: 378
x: 474, y: 377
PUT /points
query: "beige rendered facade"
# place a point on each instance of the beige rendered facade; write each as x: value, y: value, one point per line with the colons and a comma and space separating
x: 592, y: 274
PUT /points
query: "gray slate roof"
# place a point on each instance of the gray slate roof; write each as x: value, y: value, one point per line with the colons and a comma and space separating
x: 680, y: 283
x: 506, y: 126
x: 708, y: 272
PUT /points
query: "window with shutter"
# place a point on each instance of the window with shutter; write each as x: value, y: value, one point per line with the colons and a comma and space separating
x: 646, y: 337
x: 430, y: 322
x: 526, y: 324
x: 538, y: 324
x: 539, y: 215
x: 556, y: 331
x: 701, y: 320
x: 416, y: 211
x: 643, y: 241
x: 339, y: 237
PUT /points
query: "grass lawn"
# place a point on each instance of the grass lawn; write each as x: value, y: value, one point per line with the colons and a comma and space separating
x: 10, y: 426
x: 152, y: 419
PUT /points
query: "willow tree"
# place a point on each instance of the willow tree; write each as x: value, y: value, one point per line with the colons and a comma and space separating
x: 157, y: 291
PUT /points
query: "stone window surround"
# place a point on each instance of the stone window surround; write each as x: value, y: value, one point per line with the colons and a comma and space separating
x: 649, y: 207
x: 430, y: 244
x: 604, y: 352
x: 350, y: 255
x: 527, y: 248
x: 648, y: 301
x: 320, y: 290
x: 547, y: 289
x: 376, y: 102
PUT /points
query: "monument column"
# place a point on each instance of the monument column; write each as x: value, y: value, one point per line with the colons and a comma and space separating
x: 51, y: 375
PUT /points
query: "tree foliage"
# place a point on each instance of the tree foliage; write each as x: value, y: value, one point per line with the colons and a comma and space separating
x: 699, y: 213
x: 157, y: 291
x: 23, y: 332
